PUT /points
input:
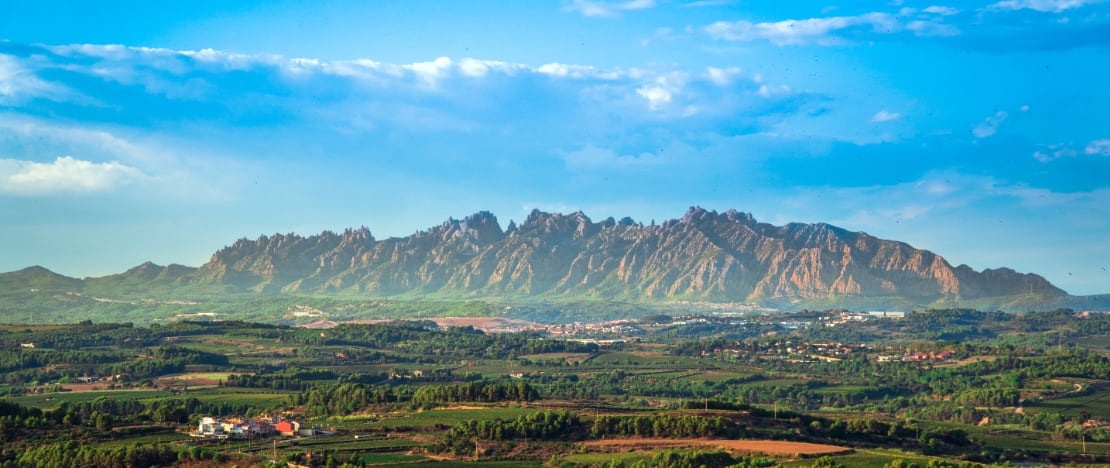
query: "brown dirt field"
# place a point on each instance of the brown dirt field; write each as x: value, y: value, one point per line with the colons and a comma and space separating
x: 481, y: 323
x: 86, y: 387
x: 769, y: 447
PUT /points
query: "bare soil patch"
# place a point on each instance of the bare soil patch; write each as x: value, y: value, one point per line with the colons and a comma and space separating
x: 769, y: 447
x: 481, y: 323
x: 86, y: 387
x: 194, y: 380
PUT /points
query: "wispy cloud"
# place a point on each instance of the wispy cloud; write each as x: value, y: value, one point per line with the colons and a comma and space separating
x: 1101, y: 147
x: 1047, y: 6
x: 885, y: 116
x: 18, y: 82
x: 366, y: 95
x: 1049, y: 153
x: 989, y: 126
x: 595, y: 8
x: 1003, y: 26
x: 821, y: 31
x: 941, y: 10
x: 1053, y: 152
x: 167, y: 167
x: 64, y: 175
x: 707, y: 3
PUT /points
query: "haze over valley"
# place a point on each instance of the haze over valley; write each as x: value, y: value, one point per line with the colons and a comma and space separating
x: 555, y: 233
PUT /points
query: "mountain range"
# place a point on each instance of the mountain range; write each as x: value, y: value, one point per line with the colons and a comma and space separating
x: 702, y: 256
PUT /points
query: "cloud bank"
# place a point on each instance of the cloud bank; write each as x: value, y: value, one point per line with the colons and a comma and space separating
x: 64, y: 175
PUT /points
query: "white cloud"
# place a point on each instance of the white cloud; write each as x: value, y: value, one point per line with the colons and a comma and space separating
x: 183, y: 168
x: 103, y: 144
x: 989, y: 125
x: 941, y: 10
x: 432, y: 72
x: 722, y: 76
x: 64, y: 175
x: 1053, y: 152
x: 1049, y: 153
x: 656, y: 96
x: 594, y: 8
x: 932, y: 28
x: 885, y: 116
x: 771, y: 91
x: 18, y: 82
x: 1046, y: 6
x: 805, y: 31
x: 1098, y: 147
x: 565, y: 70
x: 473, y: 68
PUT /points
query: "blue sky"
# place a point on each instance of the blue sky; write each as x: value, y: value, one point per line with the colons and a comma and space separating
x: 135, y: 131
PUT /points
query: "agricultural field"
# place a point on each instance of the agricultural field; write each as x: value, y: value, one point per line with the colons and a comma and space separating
x: 399, y: 393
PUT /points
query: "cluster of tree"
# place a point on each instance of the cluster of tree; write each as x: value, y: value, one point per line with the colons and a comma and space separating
x: 662, y: 425
x: 991, y: 396
x: 420, y: 338
x: 542, y: 425
x: 22, y: 366
x: 103, y: 413
x: 72, y: 454
x: 16, y: 359
x: 430, y: 396
x: 270, y: 381
x: 343, y: 399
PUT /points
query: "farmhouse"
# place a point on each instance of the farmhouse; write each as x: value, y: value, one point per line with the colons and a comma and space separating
x: 233, y: 427
x: 287, y: 427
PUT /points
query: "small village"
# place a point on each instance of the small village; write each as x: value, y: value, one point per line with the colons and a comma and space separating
x: 240, y: 428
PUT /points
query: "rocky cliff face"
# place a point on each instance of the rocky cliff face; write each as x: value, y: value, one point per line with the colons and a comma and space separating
x: 705, y: 255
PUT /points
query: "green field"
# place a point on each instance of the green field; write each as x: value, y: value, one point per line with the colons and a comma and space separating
x: 1017, y: 442
x: 1097, y: 404
x: 391, y: 459
x: 650, y: 388
x: 867, y: 459
x: 255, y: 397
x: 627, y: 458
x: 52, y: 400
x: 448, y: 417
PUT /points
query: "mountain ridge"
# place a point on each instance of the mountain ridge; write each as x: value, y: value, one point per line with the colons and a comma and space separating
x: 702, y: 256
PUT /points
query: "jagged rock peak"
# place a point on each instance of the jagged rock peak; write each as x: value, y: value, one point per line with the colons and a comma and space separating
x: 542, y: 219
x: 481, y: 228
x: 738, y: 217
x: 360, y: 234
x: 705, y: 254
x: 575, y: 224
x: 698, y: 215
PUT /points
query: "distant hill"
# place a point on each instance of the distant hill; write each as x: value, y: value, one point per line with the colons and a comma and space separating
x: 703, y: 256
